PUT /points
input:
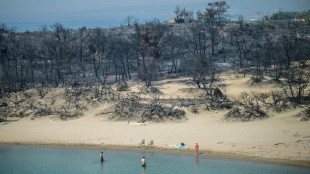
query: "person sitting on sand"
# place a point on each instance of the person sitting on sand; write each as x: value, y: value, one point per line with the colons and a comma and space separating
x: 196, y: 149
x: 143, y: 161
x: 101, y: 156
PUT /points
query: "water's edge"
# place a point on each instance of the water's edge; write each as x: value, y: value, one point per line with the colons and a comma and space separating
x: 204, y: 153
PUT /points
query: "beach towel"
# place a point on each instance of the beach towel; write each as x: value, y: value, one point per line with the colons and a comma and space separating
x: 177, y: 146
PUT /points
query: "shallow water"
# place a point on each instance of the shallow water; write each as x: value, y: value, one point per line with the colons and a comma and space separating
x: 37, y: 160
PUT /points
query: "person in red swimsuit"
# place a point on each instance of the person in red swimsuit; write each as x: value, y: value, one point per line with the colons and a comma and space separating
x: 196, y: 149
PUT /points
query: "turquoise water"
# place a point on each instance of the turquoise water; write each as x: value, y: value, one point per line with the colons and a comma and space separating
x: 37, y: 160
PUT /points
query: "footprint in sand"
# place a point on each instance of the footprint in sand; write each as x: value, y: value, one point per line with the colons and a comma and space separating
x: 252, y: 148
x: 277, y: 144
x: 285, y: 131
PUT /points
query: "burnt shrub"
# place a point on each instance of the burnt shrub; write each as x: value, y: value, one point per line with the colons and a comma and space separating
x: 245, y: 114
x: 122, y: 87
x: 305, y: 115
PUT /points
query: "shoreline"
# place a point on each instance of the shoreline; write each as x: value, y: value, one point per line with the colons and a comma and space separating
x: 187, y: 151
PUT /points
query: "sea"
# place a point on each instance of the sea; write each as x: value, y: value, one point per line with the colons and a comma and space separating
x: 101, y: 18
x: 24, y: 26
x: 62, y: 160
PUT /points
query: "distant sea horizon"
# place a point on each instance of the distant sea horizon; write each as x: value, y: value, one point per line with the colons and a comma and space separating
x: 102, y: 18
x: 37, y: 25
x: 106, y: 17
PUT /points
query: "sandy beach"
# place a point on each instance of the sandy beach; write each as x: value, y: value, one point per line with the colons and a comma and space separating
x: 281, y: 138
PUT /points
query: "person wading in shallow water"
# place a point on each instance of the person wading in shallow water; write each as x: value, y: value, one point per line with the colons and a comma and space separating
x: 143, y: 161
x: 196, y: 149
x: 101, y: 156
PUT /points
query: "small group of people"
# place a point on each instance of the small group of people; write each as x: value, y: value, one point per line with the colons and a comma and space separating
x: 143, y: 160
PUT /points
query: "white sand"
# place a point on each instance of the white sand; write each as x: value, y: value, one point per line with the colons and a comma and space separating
x: 258, y: 138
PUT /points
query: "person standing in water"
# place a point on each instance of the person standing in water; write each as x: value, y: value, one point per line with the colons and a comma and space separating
x: 143, y: 161
x: 196, y: 149
x: 101, y: 156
